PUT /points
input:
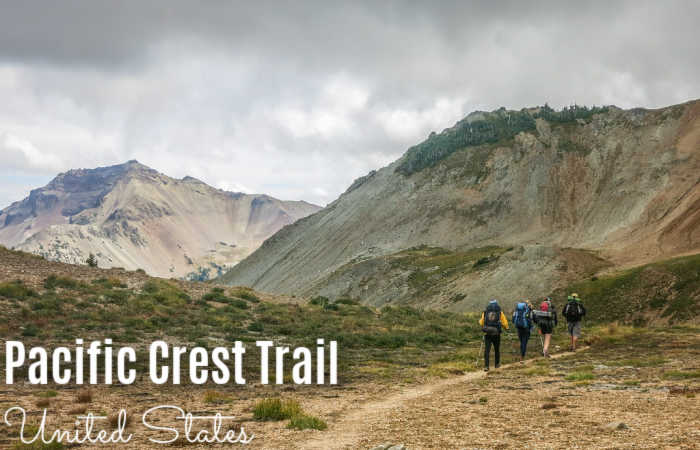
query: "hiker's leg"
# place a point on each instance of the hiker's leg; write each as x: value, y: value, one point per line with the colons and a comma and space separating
x: 523, y: 335
x: 487, y: 349
x: 497, y: 349
x: 526, y: 338
x: 547, y: 337
x: 577, y: 333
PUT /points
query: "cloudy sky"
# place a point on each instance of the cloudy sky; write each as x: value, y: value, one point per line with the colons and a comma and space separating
x: 296, y: 99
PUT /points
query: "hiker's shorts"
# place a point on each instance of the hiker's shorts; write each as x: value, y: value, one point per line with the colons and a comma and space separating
x: 574, y: 329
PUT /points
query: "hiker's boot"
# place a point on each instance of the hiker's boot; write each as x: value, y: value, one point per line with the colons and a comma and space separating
x: 497, y: 366
x: 486, y: 369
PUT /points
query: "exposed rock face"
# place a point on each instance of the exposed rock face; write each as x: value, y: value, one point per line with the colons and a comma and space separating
x: 131, y: 216
x: 622, y: 183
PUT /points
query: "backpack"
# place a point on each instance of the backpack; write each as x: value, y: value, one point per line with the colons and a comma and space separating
x: 492, y: 319
x: 573, y: 311
x: 544, y: 317
x: 521, y: 316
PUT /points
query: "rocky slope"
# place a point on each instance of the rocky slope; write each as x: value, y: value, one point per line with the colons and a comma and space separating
x: 623, y: 184
x: 132, y: 216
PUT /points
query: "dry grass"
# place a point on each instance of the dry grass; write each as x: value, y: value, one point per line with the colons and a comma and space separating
x: 84, y: 397
x: 216, y: 397
x: 77, y: 410
x: 113, y: 420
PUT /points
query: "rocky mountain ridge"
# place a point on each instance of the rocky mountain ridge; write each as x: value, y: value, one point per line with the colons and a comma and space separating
x: 620, y: 185
x: 132, y: 216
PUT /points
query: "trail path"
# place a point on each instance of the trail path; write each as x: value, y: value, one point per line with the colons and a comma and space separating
x: 348, y: 431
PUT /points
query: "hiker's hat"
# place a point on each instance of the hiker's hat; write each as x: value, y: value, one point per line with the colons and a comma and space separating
x: 574, y: 295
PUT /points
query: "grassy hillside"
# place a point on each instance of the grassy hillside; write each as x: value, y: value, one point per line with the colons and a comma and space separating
x: 55, y: 303
x: 667, y: 291
x: 459, y: 280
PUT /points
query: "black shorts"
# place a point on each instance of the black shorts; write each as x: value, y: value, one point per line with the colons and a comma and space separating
x: 546, y: 329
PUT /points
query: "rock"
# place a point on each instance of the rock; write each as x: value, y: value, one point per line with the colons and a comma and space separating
x: 397, y: 447
x: 613, y: 426
x: 382, y: 447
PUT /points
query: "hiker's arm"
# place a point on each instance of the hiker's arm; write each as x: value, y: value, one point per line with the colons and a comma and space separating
x: 504, y: 321
x: 481, y: 321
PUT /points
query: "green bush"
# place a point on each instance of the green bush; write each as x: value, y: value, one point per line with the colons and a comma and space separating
x: 276, y: 409
x: 30, y: 330
x: 319, y: 300
x: 16, y: 290
x: 580, y: 376
x: 255, y: 326
x: 53, y: 281
x: 306, y: 422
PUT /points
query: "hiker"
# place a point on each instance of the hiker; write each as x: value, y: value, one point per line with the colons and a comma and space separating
x: 546, y: 319
x: 522, y: 319
x: 492, y: 320
x: 574, y: 311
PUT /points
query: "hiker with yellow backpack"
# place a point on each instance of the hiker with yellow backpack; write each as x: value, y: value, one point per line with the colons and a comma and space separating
x: 492, y: 321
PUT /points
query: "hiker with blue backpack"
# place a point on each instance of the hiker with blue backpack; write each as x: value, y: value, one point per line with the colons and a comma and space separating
x: 492, y: 321
x: 522, y: 319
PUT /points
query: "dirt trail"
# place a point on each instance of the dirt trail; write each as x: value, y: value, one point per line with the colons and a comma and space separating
x: 349, y: 430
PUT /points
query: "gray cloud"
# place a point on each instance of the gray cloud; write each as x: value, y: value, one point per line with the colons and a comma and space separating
x: 298, y: 99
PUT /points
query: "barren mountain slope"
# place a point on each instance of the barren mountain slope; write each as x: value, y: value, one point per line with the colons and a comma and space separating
x: 134, y: 217
x: 622, y: 182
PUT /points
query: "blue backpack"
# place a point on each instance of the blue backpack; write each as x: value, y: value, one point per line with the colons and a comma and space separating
x: 521, y: 316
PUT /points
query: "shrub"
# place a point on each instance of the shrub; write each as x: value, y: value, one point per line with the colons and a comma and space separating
x: 38, y: 445
x: 109, y: 283
x: 16, y: 290
x: 91, y: 260
x: 47, y: 394
x: 580, y: 376
x: 682, y: 375
x: 114, y: 419
x: 53, y: 281
x: 319, y: 300
x: 482, y: 261
x: 255, y: 326
x: 30, y: 330
x: 84, y: 397
x: 216, y: 397
x: 306, y: 422
x: 347, y: 301
x: 276, y: 409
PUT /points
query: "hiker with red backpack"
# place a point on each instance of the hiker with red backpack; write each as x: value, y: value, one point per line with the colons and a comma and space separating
x: 492, y: 321
x: 574, y: 311
x: 522, y: 319
x: 546, y: 319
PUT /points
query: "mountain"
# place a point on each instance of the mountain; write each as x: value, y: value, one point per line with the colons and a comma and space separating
x: 132, y: 216
x: 507, y: 204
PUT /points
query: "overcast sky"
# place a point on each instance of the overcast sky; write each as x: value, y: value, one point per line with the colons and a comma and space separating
x: 297, y: 99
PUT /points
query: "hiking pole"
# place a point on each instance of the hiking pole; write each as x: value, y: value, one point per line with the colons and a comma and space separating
x: 476, y: 363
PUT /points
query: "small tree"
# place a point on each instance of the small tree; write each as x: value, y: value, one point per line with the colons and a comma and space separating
x: 91, y: 260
